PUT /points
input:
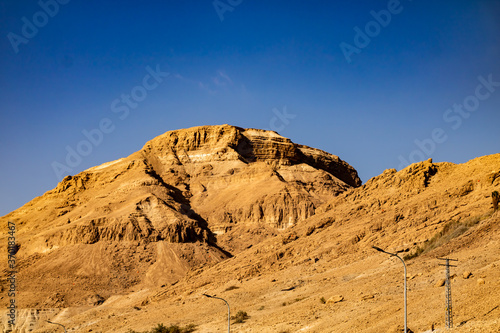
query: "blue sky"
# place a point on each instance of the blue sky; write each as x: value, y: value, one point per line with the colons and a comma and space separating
x: 389, y: 103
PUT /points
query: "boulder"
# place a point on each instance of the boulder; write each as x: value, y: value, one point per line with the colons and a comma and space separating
x: 95, y: 300
x: 466, y: 274
x: 367, y: 297
x: 440, y: 283
x: 335, y: 299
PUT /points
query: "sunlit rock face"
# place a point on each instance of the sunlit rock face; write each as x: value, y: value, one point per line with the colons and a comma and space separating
x: 182, y: 197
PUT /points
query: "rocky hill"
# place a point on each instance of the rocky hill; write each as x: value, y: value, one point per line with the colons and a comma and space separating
x: 282, y: 231
x: 188, y: 198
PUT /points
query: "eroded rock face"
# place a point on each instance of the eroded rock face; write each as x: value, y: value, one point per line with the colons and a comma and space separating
x: 196, y: 187
x: 232, y: 175
x: 188, y: 186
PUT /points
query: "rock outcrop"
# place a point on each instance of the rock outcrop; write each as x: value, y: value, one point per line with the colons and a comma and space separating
x: 196, y: 187
x: 273, y: 227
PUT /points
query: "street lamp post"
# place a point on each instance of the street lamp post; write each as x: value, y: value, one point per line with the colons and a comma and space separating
x: 57, y: 324
x: 396, y: 255
x: 228, y: 311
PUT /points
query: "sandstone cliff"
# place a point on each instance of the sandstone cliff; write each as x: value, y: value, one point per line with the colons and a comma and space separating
x: 181, y: 199
x: 282, y: 231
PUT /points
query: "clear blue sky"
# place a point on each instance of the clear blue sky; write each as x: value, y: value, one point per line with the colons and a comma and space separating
x: 236, y: 64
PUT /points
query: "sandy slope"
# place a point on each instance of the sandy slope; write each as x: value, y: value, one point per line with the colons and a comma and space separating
x: 279, y: 274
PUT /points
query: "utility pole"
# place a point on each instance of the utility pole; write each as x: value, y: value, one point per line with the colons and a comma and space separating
x: 449, y: 306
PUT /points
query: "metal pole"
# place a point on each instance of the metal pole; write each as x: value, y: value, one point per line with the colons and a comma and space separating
x: 57, y: 324
x: 395, y: 255
x: 404, y: 291
x: 449, y: 308
x: 228, y: 311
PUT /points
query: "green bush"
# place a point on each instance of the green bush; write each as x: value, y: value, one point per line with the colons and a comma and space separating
x: 240, y: 317
x: 232, y: 288
x: 160, y: 328
x: 419, y: 250
x: 190, y: 328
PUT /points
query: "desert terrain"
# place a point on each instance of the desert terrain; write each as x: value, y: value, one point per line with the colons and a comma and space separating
x: 281, y: 231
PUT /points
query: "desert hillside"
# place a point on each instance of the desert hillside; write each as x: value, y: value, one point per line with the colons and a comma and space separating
x: 281, y: 231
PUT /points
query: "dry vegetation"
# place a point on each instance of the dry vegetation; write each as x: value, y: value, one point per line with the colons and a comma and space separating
x: 450, y: 230
x: 160, y: 328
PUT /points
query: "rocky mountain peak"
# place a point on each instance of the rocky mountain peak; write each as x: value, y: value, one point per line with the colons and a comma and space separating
x: 200, y: 194
x: 245, y: 214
